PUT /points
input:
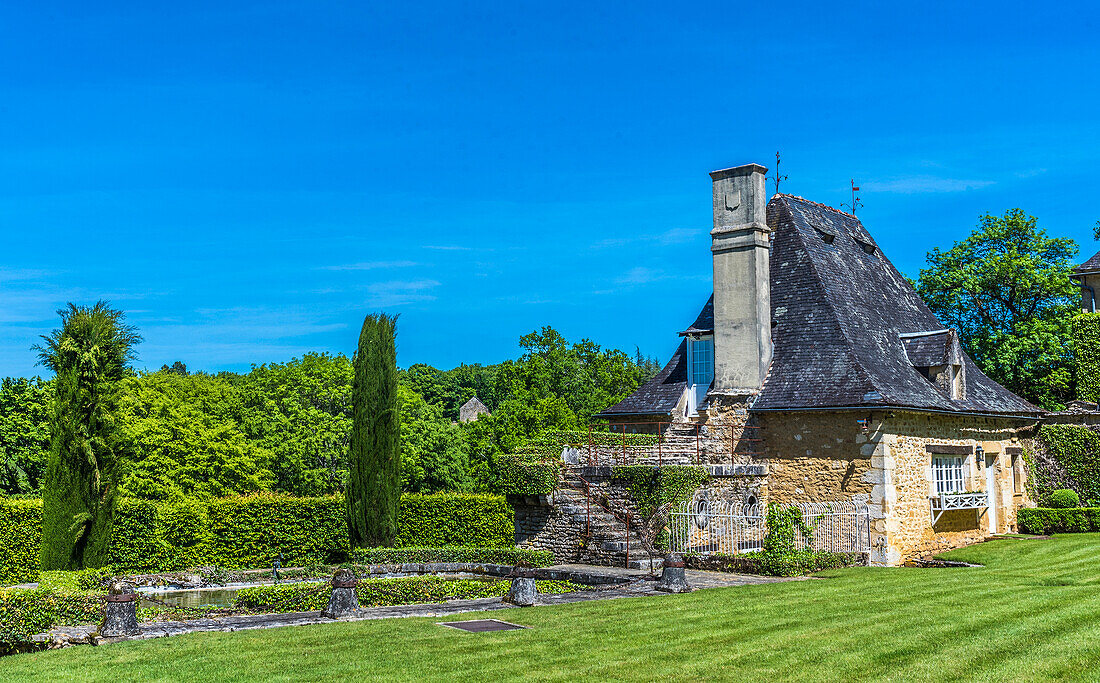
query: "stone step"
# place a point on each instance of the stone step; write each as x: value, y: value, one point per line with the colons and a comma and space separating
x: 621, y: 546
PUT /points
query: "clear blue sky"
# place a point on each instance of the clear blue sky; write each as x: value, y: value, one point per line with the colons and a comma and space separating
x: 249, y: 180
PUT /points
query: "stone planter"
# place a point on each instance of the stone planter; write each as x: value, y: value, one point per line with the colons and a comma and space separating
x: 673, y: 577
x: 120, y: 611
x: 343, y: 602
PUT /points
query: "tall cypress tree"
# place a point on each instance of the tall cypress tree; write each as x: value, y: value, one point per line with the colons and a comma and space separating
x: 374, y: 453
x: 90, y: 354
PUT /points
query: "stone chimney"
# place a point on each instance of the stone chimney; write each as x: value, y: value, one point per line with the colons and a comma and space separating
x: 742, y: 289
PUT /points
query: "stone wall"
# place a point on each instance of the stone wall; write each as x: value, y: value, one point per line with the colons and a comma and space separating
x: 561, y: 522
x: 899, y: 444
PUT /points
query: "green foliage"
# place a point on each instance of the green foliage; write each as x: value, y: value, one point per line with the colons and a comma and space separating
x: 796, y: 563
x: 374, y: 452
x: 527, y: 475
x: 252, y: 531
x: 413, y: 590
x: 24, y: 434
x: 1086, y: 355
x: 1058, y: 520
x: 508, y: 556
x: 784, y: 525
x: 186, y: 440
x: 433, y: 449
x: 1065, y: 498
x: 651, y: 487
x: 89, y: 354
x: 81, y: 580
x: 24, y: 613
x: 1007, y: 289
x: 447, y: 519
x: 1068, y: 458
x: 300, y: 413
x: 20, y: 530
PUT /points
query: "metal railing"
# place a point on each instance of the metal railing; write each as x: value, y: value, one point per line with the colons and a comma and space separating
x: 709, y: 526
x: 666, y: 443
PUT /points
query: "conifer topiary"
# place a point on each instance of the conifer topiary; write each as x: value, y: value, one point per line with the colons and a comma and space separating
x: 374, y: 452
x: 90, y: 355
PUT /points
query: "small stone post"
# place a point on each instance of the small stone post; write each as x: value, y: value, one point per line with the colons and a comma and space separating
x: 673, y: 578
x: 120, y: 611
x: 343, y: 602
x: 523, y: 591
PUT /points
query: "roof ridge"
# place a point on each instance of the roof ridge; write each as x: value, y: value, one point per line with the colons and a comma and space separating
x: 810, y: 201
x: 818, y: 281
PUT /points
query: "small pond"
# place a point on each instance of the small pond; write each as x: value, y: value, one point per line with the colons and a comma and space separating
x: 213, y: 596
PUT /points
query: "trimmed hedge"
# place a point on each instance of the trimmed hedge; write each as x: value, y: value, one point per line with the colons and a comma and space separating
x: 443, y: 519
x: 238, y: 533
x: 521, y: 474
x: 26, y: 612
x: 413, y: 590
x: 1058, y: 520
x: 798, y: 563
x: 509, y: 556
x: 1086, y: 355
x: 20, y: 531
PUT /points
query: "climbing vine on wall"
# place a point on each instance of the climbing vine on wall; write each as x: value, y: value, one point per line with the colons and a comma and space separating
x: 1086, y: 350
x: 652, y: 487
x: 1068, y: 456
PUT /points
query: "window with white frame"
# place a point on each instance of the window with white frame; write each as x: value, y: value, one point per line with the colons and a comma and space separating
x: 702, y: 361
x: 947, y: 473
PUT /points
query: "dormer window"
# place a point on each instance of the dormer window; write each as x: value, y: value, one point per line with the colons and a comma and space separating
x: 866, y: 246
x: 938, y: 358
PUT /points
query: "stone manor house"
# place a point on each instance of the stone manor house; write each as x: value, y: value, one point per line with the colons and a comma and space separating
x: 815, y: 373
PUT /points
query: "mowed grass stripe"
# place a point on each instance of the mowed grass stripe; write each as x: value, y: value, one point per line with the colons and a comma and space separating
x: 1032, y: 613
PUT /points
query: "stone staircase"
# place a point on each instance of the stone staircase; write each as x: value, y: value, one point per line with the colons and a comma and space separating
x: 605, y: 538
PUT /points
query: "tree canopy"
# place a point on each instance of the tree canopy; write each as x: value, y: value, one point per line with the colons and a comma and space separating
x: 1007, y: 289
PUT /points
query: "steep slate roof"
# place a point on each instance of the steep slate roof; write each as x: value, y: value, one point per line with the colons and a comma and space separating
x: 659, y: 395
x: 839, y: 310
x: 1090, y: 266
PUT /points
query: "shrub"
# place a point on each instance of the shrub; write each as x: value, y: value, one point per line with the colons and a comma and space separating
x: 444, y: 519
x: 253, y: 531
x: 509, y: 556
x: 413, y: 590
x: 238, y: 533
x: 20, y: 530
x: 26, y: 612
x: 797, y: 563
x: 80, y: 580
x: 1065, y: 498
x: 1058, y: 520
x: 527, y: 475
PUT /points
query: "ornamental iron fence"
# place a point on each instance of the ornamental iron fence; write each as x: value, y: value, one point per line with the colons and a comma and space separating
x: 715, y: 526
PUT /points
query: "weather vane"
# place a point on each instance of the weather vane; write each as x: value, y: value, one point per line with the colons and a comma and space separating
x: 856, y: 203
x: 778, y: 178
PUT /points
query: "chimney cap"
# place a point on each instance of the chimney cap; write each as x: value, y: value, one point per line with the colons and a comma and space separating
x: 747, y: 169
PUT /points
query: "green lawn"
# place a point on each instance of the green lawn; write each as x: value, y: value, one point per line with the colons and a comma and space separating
x: 1033, y: 613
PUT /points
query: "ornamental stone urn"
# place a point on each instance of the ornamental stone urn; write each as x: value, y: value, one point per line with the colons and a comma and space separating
x: 523, y: 591
x: 343, y: 602
x: 673, y: 578
x: 120, y: 611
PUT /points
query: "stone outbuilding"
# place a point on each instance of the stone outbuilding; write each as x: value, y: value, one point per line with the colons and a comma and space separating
x: 471, y: 410
x: 816, y: 362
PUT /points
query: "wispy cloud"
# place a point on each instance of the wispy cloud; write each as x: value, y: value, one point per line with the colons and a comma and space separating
x: 672, y: 236
x: 447, y: 247
x: 397, y: 292
x: 372, y: 265
x: 641, y: 276
x: 923, y: 184
x: 1030, y: 172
